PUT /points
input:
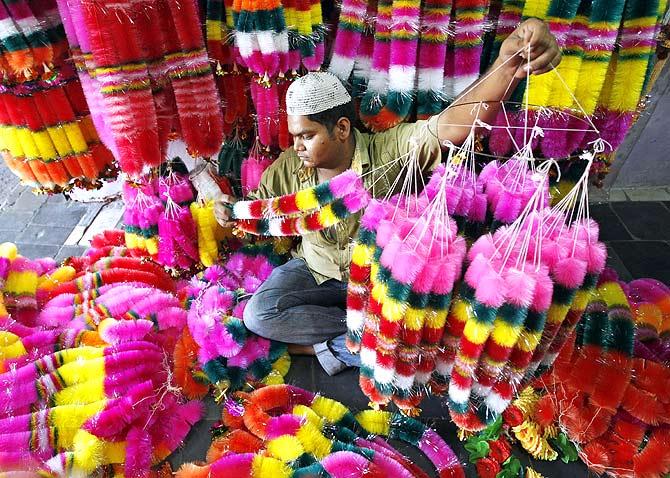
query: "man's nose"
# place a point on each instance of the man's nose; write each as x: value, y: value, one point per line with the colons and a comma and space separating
x: 298, y: 145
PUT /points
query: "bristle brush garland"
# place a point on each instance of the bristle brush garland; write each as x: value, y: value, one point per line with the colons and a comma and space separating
x: 323, y: 434
x: 307, y: 210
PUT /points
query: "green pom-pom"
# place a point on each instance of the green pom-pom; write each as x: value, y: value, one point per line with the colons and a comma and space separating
x: 406, y: 429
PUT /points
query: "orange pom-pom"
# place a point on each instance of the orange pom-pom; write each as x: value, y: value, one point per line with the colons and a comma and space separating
x: 189, y: 470
x: 237, y: 441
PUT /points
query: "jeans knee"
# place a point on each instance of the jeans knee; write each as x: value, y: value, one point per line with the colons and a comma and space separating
x: 255, y: 316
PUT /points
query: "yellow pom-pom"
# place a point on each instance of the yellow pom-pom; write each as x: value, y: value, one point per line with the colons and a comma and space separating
x: 152, y: 245
x: 10, y: 346
x: 313, y: 440
x: 75, y: 138
x: 377, y: 422
x: 282, y: 364
x: 361, y: 254
x: 68, y: 419
x: 505, y: 334
x: 89, y: 451
x: 306, y: 200
x: 82, y: 371
x: 59, y: 140
x: 533, y: 442
x: 309, y: 414
x: 477, y: 332
x: 327, y: 217
x: 57, y: 277
x: 414, y: 318
x: 82, y: 393
x: 8, y: 250
x: 267, y: 467
x: 393, y: 310
x: 329, y: 409
x: 42, y: 143
x: 285, y: 448
x: 436, y: 319
x: 613, y: 295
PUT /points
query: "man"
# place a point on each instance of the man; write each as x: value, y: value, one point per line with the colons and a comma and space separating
x: 303, y: 303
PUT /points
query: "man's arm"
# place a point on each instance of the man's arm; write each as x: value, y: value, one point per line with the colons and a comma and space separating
x: 503, y: 77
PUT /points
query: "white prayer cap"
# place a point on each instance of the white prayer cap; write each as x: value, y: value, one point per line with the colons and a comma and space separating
x: 314, y: 93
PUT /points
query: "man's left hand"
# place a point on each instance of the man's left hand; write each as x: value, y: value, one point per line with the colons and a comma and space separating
x: 531, y: 48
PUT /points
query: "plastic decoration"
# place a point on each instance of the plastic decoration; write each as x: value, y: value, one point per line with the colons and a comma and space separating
x: 272, y: 427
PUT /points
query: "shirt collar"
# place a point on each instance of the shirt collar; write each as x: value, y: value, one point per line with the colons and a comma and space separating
x: 359, y: 163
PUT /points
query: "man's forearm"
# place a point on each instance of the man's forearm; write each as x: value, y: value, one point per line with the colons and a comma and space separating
x: 495, y: 86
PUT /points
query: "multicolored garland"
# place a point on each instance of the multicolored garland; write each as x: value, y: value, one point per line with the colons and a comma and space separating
x: 311, y: 434
x: 306, y: 211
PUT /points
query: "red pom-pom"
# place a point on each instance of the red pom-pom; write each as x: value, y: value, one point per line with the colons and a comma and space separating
x: 500, y: 450
x: 487, y: 467
x: 545, y: 411
x: 513, y: 416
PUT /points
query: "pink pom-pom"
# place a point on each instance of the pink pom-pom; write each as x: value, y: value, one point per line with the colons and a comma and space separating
x: 520, y: 286
x: 508, y: 208
x: 544, y: 289
x: 597, y: 257
x: 115, y: 331
x: 477, y: 212
x: 491, y: 288
x: 484, y: 245
x: 374, y: 213
x: 570, y: 272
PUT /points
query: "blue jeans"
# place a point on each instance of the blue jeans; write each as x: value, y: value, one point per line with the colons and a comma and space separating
x: 291, y: 307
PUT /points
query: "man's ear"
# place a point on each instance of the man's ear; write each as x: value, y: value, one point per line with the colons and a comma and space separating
x: 342, y: 129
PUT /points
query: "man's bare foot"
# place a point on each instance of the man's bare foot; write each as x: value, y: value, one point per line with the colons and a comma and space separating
x: 295, y: 349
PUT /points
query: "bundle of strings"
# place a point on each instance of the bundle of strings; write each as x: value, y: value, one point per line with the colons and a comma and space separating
x: 487, y: 318
x: 229, y: 355
x: 151, y: 69
x: 433, y: 38
x: 397, y: 301
x: 462, y: 62
x: 262, y: 38
x: 47, y: 136
x: 104, y: 405
x: 306, y: 211
x: 614, y: 409
x: 285, y: 431
x: 231, y: 81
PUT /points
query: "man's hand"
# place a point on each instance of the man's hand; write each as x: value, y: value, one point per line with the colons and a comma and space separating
x: 208, y: 190
x: 544, y: 52
x: 223, y: 210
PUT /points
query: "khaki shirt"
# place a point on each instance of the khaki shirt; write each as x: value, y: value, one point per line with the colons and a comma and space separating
x: 328, y: 252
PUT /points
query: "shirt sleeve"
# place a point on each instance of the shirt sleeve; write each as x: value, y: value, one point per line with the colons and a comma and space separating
x: 418, y: 138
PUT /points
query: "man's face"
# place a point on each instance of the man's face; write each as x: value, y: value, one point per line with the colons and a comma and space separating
x: 314, y: 144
